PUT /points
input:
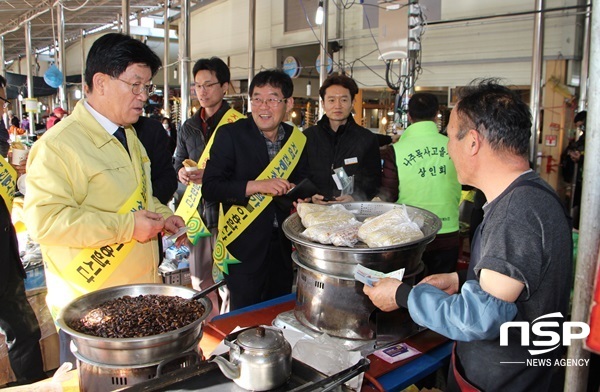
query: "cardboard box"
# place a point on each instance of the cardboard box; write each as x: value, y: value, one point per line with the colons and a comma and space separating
x: 50, y: 352
x: 49, y: 341
x: 6, y: 373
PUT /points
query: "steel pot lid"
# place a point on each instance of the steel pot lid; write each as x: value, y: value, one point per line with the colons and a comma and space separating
x: 261, y: 338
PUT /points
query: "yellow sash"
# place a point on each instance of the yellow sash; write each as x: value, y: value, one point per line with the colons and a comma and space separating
x: 238, y: 218
x: 93, y: 266
x: 188, y: 208
x: 8, y: 182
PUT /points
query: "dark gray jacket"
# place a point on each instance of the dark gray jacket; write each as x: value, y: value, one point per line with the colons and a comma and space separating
x: 190, y: 145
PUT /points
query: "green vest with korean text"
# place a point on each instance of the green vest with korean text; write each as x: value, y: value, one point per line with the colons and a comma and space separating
x: 427, y: 176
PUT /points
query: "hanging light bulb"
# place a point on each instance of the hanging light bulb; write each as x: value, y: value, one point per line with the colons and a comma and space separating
x: 175, y: 73
x: 308, y: 89
x: 320, y: 14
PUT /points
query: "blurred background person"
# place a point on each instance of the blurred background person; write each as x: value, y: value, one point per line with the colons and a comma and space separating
x: 171, y: 132
x: 56, y: 115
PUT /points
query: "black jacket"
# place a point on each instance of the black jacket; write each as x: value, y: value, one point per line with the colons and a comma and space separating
x: 9, y: 248
x: 155, y: 140
x: 238, y: 155
x: 352, y: 147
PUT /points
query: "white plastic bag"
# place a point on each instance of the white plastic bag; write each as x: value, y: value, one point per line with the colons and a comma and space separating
x: 328, y: 357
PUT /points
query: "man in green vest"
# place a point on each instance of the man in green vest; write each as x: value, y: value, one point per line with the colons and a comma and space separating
x: 418, y: 172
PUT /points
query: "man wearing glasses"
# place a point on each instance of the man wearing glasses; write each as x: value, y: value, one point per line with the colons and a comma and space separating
x: 89, y: 200
x: 251, y: 161
x: 211, y: 82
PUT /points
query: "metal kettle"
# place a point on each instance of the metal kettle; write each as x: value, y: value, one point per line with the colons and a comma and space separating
x: 259, y: 358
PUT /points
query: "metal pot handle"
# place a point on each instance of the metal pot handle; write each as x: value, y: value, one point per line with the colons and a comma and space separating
x: 327, y: 384
x: 192, y: 354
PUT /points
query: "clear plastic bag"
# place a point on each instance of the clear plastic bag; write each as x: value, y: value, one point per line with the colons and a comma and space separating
x: 344, y: 182
x: 336, y: 233
x: 392, y: 228
x: 335, y: 213
x: 327, y: 356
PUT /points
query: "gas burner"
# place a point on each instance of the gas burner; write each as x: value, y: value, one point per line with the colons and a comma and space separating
x: 391, y: 328
x: 98, y: 377
x: 287, y: 320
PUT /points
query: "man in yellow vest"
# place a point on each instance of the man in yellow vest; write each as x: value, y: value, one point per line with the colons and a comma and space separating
x: 89, y: 200
x: 252, y: 161
x: 211, y: 82
x: 419, y: 172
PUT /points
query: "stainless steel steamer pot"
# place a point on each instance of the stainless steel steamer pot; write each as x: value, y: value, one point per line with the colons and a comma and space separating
x: 340, y: 261
x: 132, y: 351
x: 328, y: 299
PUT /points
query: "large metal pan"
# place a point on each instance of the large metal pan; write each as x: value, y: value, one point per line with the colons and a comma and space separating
x: 340, y: 261
x: 131, y: 351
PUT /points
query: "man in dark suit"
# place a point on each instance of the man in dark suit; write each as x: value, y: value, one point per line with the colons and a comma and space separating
x: 156, y: 142
x: 17, y: 319
x: 252, y: 161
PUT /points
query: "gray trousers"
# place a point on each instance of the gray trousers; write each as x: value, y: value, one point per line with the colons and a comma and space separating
x: 201, y: 264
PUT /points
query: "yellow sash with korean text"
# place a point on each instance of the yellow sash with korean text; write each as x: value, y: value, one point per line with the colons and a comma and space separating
x: 91, y: 267
x: 8, y: 183
x: 188, y: 207
x: 238, y: 218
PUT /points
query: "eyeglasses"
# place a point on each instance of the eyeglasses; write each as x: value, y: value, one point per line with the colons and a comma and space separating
x: 206, y: 86
x: 271, y: 102
x: 6, y: 102
x: 138, y: 88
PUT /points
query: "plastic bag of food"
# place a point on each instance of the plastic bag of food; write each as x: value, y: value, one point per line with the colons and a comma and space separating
x: 392, y: 228
x: 336, y: 233
x: 304, y: 209
x: 335, y: 213
x: 347, y: 234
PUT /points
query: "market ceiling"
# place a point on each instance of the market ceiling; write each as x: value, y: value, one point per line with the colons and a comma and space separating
x: 79, y: 15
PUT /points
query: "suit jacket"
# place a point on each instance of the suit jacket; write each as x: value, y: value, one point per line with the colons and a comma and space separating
x: 238, y: 155
x: 9, y: 248
x: 156, y: 142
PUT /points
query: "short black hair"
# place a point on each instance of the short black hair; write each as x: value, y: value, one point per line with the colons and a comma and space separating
x: 112, y: 53
x: 581, y: 116
x: 216, y: 65
x: 275, y: 78
x: 2, y: 81
x: 339, y: 80
x: 497, y: 113
x: 423, y: 107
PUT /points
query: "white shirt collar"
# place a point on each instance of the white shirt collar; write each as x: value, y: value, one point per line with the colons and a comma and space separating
x: 108, y: 125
